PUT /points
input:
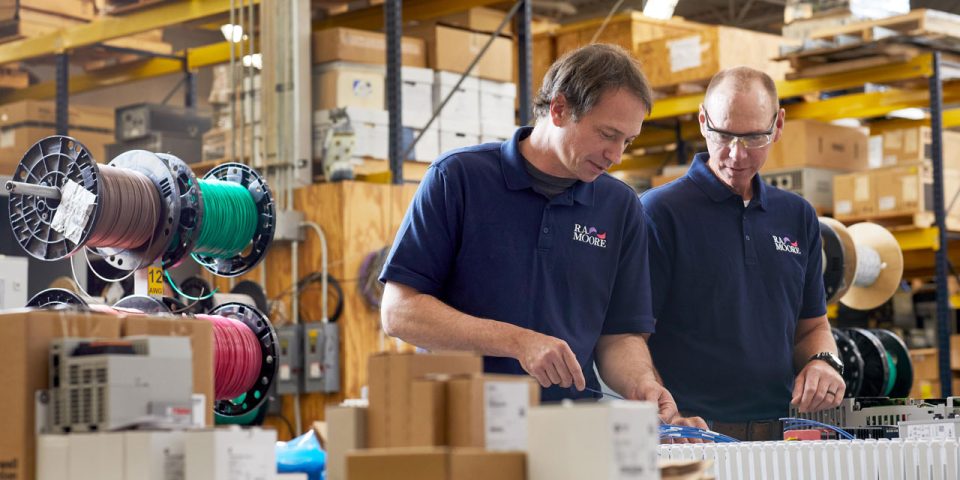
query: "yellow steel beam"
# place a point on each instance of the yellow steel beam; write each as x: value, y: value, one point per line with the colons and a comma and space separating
x: 128, y: 72
x: 372, y: 18
x: 951, y: 118
x: 651, y: 136
x: 918, y: 239
x: 108, y: 28
x: 875, y: 104
x: 918, y: 67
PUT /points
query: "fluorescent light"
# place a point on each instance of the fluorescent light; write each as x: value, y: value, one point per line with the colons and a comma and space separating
x: 256, y: 60
x: 909, y: 113
x: 232, y: 33
x: 662, y: 9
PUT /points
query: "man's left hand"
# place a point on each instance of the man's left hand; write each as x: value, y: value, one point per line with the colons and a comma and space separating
x: 652, y: 391
x: 818, y: 386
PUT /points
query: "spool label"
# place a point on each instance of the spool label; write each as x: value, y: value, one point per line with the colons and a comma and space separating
x: 154, y: 281
x: 76, y: 205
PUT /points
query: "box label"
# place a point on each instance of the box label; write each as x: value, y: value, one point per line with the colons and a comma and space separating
x: 844, y: 207
x: 908, y: 189
x: 861, y: 189
x: 875, y: 151
x: 685, y: 53
x: 505, y: 409
x: 634, y: 448
x: 887, y: 203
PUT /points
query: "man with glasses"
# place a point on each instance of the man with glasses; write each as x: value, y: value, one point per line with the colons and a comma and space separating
x: 735, y: 265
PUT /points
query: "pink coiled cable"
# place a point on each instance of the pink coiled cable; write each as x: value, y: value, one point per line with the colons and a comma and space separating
x: 236, y: 357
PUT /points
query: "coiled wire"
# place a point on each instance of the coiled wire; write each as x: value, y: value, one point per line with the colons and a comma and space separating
x: 229, y: 219
x: 130, y: 210
x: 236, y: 360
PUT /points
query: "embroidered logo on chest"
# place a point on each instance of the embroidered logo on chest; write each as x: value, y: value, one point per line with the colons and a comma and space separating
x: 784, y: 244
x: 589, y: 235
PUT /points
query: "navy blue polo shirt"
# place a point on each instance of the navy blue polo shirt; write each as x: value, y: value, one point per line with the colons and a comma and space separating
x: 480, y: 239
x: 729, y: 285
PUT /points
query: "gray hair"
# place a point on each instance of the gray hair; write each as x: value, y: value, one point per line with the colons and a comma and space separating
x: 583, y: 75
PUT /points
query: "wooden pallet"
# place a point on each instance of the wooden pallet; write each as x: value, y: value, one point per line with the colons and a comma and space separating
x: 920, y: 22
x: 121, y: 7
x: 679, y: 89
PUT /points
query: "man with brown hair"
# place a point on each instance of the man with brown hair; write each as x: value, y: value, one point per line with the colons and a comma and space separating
x: 738, y: 294
x: 527, y: 252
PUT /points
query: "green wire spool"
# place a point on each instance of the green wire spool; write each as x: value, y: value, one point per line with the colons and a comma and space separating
x: 229, y: 219
x: 893, y: 376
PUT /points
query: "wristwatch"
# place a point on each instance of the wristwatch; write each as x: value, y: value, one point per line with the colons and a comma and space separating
x: 831, y: 358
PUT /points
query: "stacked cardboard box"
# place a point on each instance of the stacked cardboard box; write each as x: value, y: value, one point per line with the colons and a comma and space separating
x: 25, y: 122
x: 432, y: 410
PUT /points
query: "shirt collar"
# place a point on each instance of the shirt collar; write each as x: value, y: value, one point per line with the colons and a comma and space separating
x: 718, y: 191
x: 516, y: 177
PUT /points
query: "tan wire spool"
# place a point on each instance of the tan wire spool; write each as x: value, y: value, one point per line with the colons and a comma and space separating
x: 839, y: 258
x: 879, y: 267
x: 65, y: 283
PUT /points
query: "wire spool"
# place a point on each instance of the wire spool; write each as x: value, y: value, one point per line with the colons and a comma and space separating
x: 144, y: 304
x: 899, y: 356
x: 839, y: 258
x: 50, y: 163
x: 876, y: 367
x: 264, y: 370
x: 154, y: 233
x: 879, y: 267
x: 196, y: 287
x: 55, y: 297
x: 224, y: 248
x: 186, y: 190
x: 852, y: 362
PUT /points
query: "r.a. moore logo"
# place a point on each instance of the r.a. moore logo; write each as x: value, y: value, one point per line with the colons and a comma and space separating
x: 589, y: 235
x: 784, y: 244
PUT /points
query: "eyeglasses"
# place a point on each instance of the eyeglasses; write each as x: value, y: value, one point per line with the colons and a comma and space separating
x: 747, y: 140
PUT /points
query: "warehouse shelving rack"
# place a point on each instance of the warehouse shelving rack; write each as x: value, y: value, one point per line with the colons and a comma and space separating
x: 937, y: 93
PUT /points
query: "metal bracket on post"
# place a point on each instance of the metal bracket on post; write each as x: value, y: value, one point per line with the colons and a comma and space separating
x: 524, y: 61
x: 189, y: 87
x: 943, y: 303
x: 63, y: 93
x: 393, y: 19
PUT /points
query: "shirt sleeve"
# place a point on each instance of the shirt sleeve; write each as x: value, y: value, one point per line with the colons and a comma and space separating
x: 814, y: 297
x: 630, y: 309
x: 423, y: 252
x: 660, y: 251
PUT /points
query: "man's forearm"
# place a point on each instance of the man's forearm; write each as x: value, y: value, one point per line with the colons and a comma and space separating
x: 624, y: 361
x: 426, y: 322
x: 813, y: 336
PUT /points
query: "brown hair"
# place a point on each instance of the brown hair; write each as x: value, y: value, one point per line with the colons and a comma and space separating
x: 583, y: 75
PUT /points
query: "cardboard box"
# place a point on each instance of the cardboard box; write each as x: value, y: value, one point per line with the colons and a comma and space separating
x: 544, y: 54
x: 490, y: 411
x: 228, y: 454
x: 496, y: 132
x: 153, y: 455
x: 497, y: 100
x: 96, y: 456
x: 341, y: 84
x: 417, y: 91
x: 201, y: 343
x: 453, y: 49
x: 911, y: 145
x: 627, y: 30
x: 347, y: 430
x: 24, y: 360
x: 428, y: 148
x: 432, y: 463
x: 371, y: 129
x: 853, y: 196
x: 364, y: 46
x: 428, y: 403
x: 908, y: 189
x: 479, y: 19
x: 390, y: 378
x: 602, y: 440
x: 452, y: 140
x: 813, y: 144
x: 461, y: 113
x: 815, y: 185
x: 25, y: 122
x: 697, y: 56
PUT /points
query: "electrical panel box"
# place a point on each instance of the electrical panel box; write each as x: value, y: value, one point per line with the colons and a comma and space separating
x: 290, y: 366
x: 13, y: 282
x: 313, y: 349
x: 140, y: 120
x: 331, y: 357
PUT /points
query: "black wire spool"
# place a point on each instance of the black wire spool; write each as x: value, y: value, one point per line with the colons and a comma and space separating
x: 266, y: 221
x: 899, y: 355
x: 143, y: 303
x: 267, y: 337
x: 254, y: 291
x: 876, y: 369
x: 187, y: 226
x: 198, y: 288
x: 852, y: 362
x: 839, y: 262
x: 55, y: 297
x: 51, y: 162
x: 149, y: 164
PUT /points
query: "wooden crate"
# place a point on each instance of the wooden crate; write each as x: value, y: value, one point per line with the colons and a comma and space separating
x: 697, y: 56
x: 357, y: 218
x: 76, y: 9
x: 627, y: 29
x: 920, y: 22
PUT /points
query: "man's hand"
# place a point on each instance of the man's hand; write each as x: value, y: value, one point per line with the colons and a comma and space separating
x: 549, y: 360
x: 818, y: 386
x: 651, y: 391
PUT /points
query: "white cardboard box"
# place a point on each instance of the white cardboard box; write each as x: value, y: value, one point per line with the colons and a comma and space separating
x: 417, y: 98
x: 371, y: 128
x: 154, y: 455
x: 13, y: 282
x: 428, y: 148
x: 462, y: 112
x: 53, y: 457
x: 451, y: 140
x: 615, y: 440
x: 497, y: 102
x: 496, y: 132
x: 230, y: 453
x: 96, y: 456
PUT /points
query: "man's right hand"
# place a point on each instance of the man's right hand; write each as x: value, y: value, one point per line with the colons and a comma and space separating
x: 549, y: 360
